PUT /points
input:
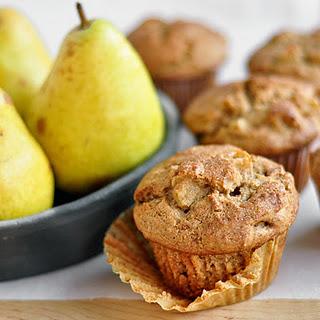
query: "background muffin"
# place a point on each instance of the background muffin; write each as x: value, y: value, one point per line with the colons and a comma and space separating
x: 266, y: 115
x: 181, y: 56
x: 290, y: 54
x: 207, y: 208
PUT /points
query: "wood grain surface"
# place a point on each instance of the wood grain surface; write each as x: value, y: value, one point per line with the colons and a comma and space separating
x: 98, y: 309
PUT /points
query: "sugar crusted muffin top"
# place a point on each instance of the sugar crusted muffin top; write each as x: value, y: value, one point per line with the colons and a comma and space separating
x: 265, y: 115
x: 291, y: 54
x: 215, y: 200
x: 178, y: 49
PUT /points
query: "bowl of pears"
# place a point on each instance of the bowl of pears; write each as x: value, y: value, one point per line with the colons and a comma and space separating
x: 76, y: 136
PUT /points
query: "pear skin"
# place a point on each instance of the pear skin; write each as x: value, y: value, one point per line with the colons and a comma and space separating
x: 24, y: 61
x: 26, y: 179
x: 98, y: 114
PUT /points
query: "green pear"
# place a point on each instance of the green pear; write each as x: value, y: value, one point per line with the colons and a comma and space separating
x: 26, y: 179
x: 24, y: 61
x: 98, y: 114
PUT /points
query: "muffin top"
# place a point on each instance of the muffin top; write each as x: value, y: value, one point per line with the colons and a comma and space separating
x: 315, y: 166
x: 265, y: 115
x: 291, y: 54
x: 215, y: 200
x: 178, y: 49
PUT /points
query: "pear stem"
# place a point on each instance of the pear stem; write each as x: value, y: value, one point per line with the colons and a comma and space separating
x: 82, y: 16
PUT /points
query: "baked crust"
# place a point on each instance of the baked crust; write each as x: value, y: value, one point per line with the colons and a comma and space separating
x: 289, y: 53
x: 178, y: 49
x: 265, y: 115
x: 215, y: 200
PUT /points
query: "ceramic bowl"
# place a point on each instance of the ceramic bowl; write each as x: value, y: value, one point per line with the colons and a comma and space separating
x: 73, y: 229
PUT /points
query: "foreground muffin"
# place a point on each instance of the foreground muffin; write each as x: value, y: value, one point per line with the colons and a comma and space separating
x: 207, y: 209
x: 271, y: 116
x: 181, y: 56
x: 290, y: 54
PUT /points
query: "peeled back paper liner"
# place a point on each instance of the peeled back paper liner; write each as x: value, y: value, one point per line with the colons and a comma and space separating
x: 130, y: 256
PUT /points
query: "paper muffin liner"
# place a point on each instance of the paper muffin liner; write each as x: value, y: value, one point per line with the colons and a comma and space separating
x: 182, y: 91
x: 296, y: 162
x: 189, y: 274
x: 131, y: 257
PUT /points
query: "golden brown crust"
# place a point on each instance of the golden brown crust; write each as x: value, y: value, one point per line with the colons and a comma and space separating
x: 315, y: 167
x: 215, y: 200
x: 265, y: 115
x: 178, y: 49
x: 291, y: 54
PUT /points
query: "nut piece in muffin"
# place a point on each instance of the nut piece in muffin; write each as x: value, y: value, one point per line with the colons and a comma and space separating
x: 290, y: 54
x: 206, y: 209
x: 276, y: 117
x: 181, y: 56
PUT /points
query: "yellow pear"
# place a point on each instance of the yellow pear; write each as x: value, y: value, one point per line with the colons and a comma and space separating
x: 26, y: 179
x: 98, y: 114
x: 24, y: 61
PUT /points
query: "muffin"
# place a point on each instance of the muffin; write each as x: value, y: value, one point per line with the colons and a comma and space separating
x: 289, y: 54
x: 206, y: 210
x: 272, y: 116
x: 182, y: 57
x: 129, y: 255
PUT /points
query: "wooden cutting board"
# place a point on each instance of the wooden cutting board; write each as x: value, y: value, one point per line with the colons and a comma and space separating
x: 98, y: 309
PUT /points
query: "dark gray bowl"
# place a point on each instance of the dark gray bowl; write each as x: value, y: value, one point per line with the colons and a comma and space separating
x: 72, y: 232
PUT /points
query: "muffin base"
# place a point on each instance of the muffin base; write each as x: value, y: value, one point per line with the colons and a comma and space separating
x: 296, y: 162
x: 182, y: 91
x: 131, y: 257
x: 190, y: 274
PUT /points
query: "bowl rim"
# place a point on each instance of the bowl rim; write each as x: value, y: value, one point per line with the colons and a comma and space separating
x: 171, y: 118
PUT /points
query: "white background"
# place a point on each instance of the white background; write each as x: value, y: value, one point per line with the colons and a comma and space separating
x: 246, y: 23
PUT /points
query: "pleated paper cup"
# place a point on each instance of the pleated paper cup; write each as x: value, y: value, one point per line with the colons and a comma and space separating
x: 189, y: 274
x: 296, y: 162
x: 131, y: 257
x: 182, y: 91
